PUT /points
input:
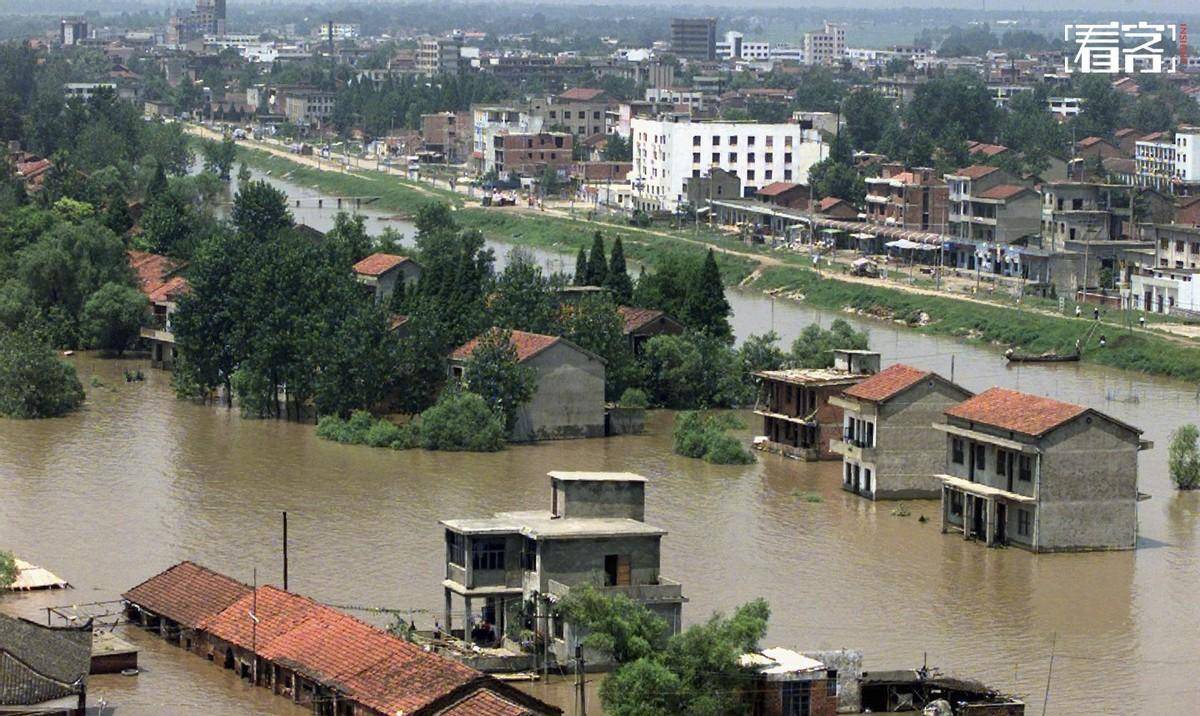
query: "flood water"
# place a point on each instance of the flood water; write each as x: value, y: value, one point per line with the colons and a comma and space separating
x: 137, y: 481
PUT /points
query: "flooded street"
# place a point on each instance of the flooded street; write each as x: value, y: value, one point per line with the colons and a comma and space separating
x: 137, y: 481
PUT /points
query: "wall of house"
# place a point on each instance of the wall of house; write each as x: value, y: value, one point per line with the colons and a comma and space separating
x: 909, y: 451
x: 569, y: 399
x: 1088, y: 490
x: 848, y: 664
x: 600, y: 498
x: 576, y: 562
x: 821, y: 701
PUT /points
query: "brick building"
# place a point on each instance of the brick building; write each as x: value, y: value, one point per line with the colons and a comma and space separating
x: 908, y: 198
x: 448, y: 134
x: 531, y: 154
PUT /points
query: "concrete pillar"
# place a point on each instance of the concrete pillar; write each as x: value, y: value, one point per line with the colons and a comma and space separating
x: 945, y: 507
x: 989, y: 522
x: 466, y: 618
x: 968, y: 514
x: 448, y: 622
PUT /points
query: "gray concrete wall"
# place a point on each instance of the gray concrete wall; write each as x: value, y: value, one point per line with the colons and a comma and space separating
x: 569, y: 399
x: 909, y: 451
x: 600, y: 498
x: 849, y: 667
x: 1088, y: 494
x: 576, y: 562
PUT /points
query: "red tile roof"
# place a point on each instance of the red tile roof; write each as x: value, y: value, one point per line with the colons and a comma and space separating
x: 988, y: 150
x: 486, y: 703
x: 888, y: 383
x: 1020, y: 412
x: 635, y: 318
x: 378, y: 264
x: 975, y: 171
x: 828, y: 203
x: 366, y: 664
x: 153, y: 270
x: 170, y: 291
x: 187, y: 593
x: 527, y: 345
x: 776, y: 188
x: 581, y: 94
x: 1001, y: 191
x: 396, y: 320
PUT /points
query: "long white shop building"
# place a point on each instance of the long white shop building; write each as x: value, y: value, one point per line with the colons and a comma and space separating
x: 667, y: 153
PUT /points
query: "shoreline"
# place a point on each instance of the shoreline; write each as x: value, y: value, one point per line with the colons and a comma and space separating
x: 966, y: 318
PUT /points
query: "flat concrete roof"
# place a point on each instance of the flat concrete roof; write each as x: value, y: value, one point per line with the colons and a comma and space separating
x: 812, y: 376
x: 544, y: 525
x: 583, y: 476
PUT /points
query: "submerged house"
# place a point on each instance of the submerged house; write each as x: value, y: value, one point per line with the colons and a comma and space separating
x: 788, y: 683
x: 568, y: 400
x: 44, y: 670
x: 1039, y: 474
x: 889, y: 448
x: 160, y: 281
x: 916, y: 690
x: 799, y: 420
x: 642, y: 324
x: 312, y: 654
x: 380, y: 274
x: 594, y: 535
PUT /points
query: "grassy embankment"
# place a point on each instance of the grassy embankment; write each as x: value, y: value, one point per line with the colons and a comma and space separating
x: 968, y: 320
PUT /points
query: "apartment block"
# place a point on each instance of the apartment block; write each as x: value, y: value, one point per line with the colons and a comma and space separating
x: 907, y: 198
x: 694, y: 38
x: 825, y: 47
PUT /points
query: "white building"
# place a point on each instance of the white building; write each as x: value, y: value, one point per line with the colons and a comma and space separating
x: 86, y: 90
x: 1166, y: 164
x: 1064, y: 107
x: 826, y: 47
x: 666, y: 154
x: 676, y: 96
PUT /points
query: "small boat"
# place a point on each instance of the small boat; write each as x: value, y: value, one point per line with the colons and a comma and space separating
x: 1049, y: 357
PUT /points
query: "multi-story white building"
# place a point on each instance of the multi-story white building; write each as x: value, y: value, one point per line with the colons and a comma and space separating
x: 735, y: 47
x: 668, y: 153
x: 676, y: 96
x: 1064, y: 107
x: 826, y: 47
x: 1168, y: 164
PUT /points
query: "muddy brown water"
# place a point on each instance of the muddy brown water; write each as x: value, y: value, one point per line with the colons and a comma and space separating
x: 138, y: 480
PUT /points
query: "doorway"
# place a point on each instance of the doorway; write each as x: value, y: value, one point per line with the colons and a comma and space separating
x: 1001, y: 523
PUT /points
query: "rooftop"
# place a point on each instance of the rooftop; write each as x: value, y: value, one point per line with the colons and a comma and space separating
x: 40, y: 663
x: 888, y: 383
x: 777, y: 188
x: 583, y: 476
x: 635, y: 318
x: 378, y: 264
x: 527, y: 345
x: 187, y: 593
x: 975, y: 171
x: 780, y: 662
x: 582, y: 94
x: 1019, y: 412
x: 542, y: 524
x: 1002, y: 192
x: 810, y: 376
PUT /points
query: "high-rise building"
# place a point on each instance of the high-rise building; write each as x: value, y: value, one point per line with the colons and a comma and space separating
x: 826, y: 47
x: 208, y: 18
x: 694, y: 38
x: 439, y: 55
x: 71, y: 30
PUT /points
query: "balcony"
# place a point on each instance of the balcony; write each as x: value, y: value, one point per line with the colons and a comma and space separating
x: 665, y: 591
x: 853, y: 450
x: 157, y: 334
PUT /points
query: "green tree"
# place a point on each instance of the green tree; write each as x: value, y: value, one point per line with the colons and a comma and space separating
x: 158, y: 183
x: 34, y: 383
x: 524, y: 298
x: 693, y: 370
x: 260, y: 209
x: 617, y: 149
x: 219, y: 156
x: 494, y: 373
x: 113, y: 316
x: 592, y: 323
x: 614, y: 624
x: 813, y: 348
x: 761, y: 352
x: 706, y: 436
x: 597, y: 263
x: 349, y: 238
x: 617, y: 279
x: 8, y: 569
x: 868, y: 116
x: 461, y: 420
x: 706, y: 309
x: 169, y: 224
x: 581, y: 268
x: 1183, y: 457
x: 1102, y: 108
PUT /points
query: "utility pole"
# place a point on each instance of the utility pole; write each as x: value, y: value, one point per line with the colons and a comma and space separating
x: 285, y: 552
x: 580, y: 683
x: 545, y: 638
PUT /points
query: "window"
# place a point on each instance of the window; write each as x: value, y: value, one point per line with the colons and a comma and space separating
x: 595, y: 114
x: 956, y: 503
x: 1024, y: 523
x: 733, y: 156
x: 487, y: 554
x: 1001, y: 462
x: 733, y: 141
x: 716, y: 140
x: 529, y: 554
x: 1025, y: 473
x: 749, y: 175
x: 797, y: 696
x: 696, y: 141
x: 956, y: 451
x: 750, y: 157
x: 831, y: 688
x: 770, y: 157
x: 716, y: 157
x: 787, y: 141
x: 695, y: 157
x: 750, y: 141
x: 981, y: 457
x: 787, y: 158
x: 787, y: 174
x: 768, y: 174
x: 455, y: 549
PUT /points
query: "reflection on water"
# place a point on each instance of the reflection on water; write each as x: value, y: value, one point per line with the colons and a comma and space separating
x: 138, y: 480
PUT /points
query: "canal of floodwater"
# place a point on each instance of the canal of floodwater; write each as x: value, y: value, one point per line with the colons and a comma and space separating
x: 138, y: 480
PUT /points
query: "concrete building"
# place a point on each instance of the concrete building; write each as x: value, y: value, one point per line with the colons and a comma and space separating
x: 685, y: 97
x: 825, y: 47
x: 1171, y: 285
x: 530, y: 154
x: 1064, y: 108
x: 160, y: 280
x: 308, y: 107
x: 889, y: 448
x: 799, y: 421
x: 448, y: 134
x: 1083, y: 211
x: 380, y: 274
x: 439, y: 56
x: 907, y: 198
x: 715, y: 185
x: 491, y: 121
x: 72, y: 30
x: 594, y: 535
x: 988, y: 206
x: 694, y: 38
x: 568, y: 400
x: 789, y: 683
x: 1039, y: 474
x: 84, y: 91
x: 1169, y: 164
x: 667, y: 153
x: 582, y: 111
